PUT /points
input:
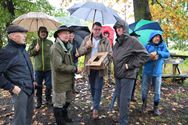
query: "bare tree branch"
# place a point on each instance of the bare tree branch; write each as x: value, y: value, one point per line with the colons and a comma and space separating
x: 157, y: 2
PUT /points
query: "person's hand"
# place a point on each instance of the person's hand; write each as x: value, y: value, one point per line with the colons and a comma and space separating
x: 156, y: 57
x: 79, y: 70
x: 153, y: 53
x: 153, y: 56
x: 89, y: 62
x: 16, y: 90
x: 37, y: 47
x: 88, y: 45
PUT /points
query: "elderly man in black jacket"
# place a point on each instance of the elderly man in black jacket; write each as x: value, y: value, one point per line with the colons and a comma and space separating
x: 16, y: 75
x: 128, y: 55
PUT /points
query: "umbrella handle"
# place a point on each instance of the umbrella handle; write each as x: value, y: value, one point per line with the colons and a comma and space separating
x: 37, y: 47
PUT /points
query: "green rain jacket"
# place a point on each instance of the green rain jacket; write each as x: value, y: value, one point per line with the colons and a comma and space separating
x: 42, y: 57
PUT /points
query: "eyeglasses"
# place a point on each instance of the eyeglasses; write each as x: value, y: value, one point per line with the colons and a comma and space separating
x: 97, y: 29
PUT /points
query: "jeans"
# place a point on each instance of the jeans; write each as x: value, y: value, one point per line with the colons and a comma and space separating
x: 155, y: 82
x: 96, y: 84
x: 124, y: 91
x: 114, y: 96
x: 40, y: 76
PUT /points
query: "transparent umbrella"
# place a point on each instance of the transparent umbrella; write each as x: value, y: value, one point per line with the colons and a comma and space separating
x: 69, y: 21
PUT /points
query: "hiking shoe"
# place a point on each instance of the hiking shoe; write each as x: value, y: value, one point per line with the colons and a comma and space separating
x: 156, y: 111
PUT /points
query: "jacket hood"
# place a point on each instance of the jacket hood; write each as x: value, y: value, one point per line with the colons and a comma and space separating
x: 153, y: 34
x: 122, y: 23
x: 44, y: 29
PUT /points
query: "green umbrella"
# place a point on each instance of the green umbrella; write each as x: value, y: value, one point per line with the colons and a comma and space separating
x: 144, y: 28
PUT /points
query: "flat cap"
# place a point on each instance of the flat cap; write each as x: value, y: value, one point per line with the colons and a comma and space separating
x: 15, y: 28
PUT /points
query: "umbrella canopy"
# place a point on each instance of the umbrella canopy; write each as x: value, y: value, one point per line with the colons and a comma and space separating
x: 96, y: 12
x: 33, y: 20
x: 144, y: 29
x: 80, y: 33
x: 69, y: 20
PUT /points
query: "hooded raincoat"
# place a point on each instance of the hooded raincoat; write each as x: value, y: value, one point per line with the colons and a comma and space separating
x: 154, y: 67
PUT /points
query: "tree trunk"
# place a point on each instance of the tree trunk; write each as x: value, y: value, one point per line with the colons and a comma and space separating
x: 9, y: 5
x: 141, y: 10
x: 1, y: 42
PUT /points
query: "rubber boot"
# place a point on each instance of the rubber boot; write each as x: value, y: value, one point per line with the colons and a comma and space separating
x: 59, y: 116
x: 144, y: 106
x: 156, y: 111
x: 65, y: 112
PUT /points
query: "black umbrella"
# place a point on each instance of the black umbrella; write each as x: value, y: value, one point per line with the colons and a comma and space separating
x: 80, y: 33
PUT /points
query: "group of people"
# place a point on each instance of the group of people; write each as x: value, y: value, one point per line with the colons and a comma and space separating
x: 55, y: 64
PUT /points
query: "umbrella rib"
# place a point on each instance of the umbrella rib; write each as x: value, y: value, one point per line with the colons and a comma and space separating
x: 43, y: 23
x: 102, y: 17
x: 54, y: 23
x: 94, y: 15
x: 31, y: 24
x: 20, y: 21
x: 88, y: 14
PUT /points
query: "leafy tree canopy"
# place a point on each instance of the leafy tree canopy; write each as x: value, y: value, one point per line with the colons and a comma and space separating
x: 173, y: 16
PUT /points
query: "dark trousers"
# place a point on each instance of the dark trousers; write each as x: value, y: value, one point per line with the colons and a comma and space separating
x: 134, y: 87
x: 23, y: 109
x: 124, y: 91
x: 40, y: 76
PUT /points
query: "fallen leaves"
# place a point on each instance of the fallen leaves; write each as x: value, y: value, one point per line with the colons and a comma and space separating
x: 173, y: 101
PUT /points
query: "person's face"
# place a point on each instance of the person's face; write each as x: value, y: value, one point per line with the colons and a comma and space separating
x: 71, y: 36
x: 18, y: 37
x: 43, y: 34
x: 156, y: 39
x: 64, y: 36
x: 96, y: 30
x: 119, y: 31
x: 106, y: 35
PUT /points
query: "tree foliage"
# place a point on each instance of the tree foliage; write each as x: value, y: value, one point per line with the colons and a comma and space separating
x: 173, y: 15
